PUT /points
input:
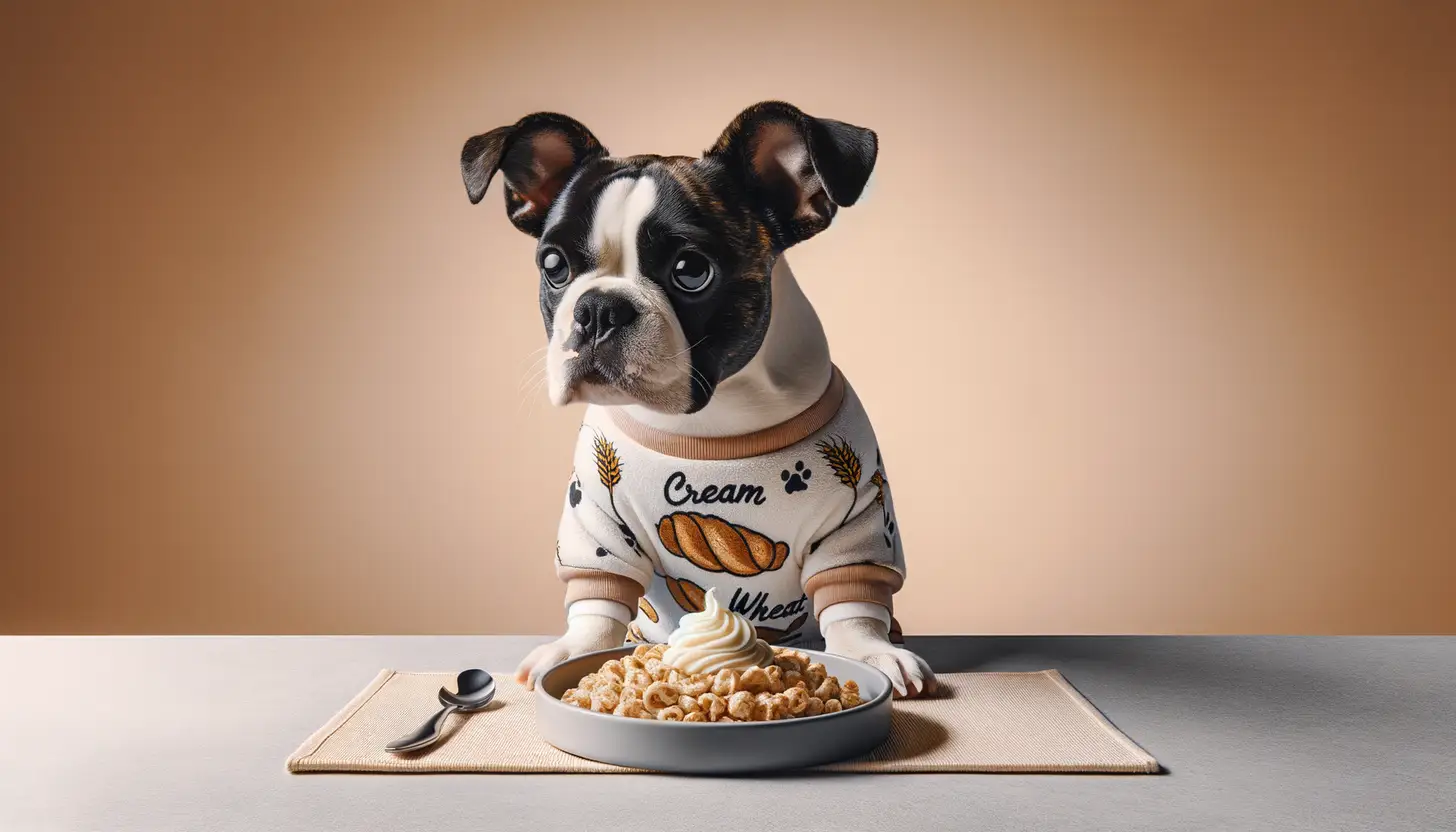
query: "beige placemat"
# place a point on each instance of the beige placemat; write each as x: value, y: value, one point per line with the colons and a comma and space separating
x: 981, y: 722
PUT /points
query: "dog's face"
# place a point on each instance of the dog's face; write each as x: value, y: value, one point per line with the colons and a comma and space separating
x: 655, y: 269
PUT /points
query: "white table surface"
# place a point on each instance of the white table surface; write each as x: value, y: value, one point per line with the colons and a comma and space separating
x: 1279, y: 733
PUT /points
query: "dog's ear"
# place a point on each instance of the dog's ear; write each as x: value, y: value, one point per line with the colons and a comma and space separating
x: 536, y: 156
x: 797, y: 170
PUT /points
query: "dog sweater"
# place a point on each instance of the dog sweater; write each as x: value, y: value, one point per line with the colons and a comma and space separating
x: 784, y: 523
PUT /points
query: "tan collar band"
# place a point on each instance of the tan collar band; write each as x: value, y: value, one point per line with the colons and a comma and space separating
x: 766, y: 441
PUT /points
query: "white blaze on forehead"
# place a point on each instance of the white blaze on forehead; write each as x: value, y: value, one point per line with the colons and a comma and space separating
x: 622, y: 207
x: 558, y: 207
x: 655, y: 350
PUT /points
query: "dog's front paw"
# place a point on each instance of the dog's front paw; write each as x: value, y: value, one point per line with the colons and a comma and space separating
x: 539, y: 661
x: 867, y: 640
x: 584, y: 634
x: 909, y: 675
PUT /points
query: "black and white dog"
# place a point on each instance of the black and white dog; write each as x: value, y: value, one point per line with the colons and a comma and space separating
x: 672, y: 314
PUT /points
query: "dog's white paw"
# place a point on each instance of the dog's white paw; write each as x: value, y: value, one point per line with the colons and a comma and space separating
x: 867, y: 640
x: 909, y: 675
x: 539, y: 661
x: 584, y: 634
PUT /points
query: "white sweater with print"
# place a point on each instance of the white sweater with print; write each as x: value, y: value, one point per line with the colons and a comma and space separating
x: 785, y: 522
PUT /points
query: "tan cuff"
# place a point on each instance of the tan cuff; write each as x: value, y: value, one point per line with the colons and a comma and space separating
x: 607, y: 586
x: 857, y: 582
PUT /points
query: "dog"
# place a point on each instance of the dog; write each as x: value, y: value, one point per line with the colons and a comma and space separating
x: 721, y: 450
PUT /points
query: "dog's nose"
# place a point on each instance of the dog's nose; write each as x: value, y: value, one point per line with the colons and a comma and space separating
x: 600, y: 314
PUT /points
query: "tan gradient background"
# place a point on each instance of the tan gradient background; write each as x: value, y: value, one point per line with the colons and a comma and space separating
x: 1152, y: 304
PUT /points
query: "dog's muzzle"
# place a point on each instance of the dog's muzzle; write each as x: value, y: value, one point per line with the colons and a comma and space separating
x: 598, y: 318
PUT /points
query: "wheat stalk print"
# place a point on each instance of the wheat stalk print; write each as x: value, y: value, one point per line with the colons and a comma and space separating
x: 881, y: 482
x: 609, y: 467
x: 844, y: 462
x: 609, y: 471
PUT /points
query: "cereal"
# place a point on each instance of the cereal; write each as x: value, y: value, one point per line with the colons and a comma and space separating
x: 725, y: 684
x: 713, y: 704
x: 740, y: 705
x: 754, y: 680
x: 828, y: 690
x: 660, y: 695
x: 641, y: 686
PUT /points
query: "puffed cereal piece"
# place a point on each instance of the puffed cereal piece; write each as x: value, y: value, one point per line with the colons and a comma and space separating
x: 797, y: 700
x: 790, y: 662
x: 815, y: 707
x: 672, y: 714
x: 726, y: 719
x: 612, y: 669
x: 775, y: 678
x: 816, y: 674
x: 725, y: 683
x: 832, y: 706
x: 631, y: 663
x: 604, y: 700
x: 849, y: 693
x: 656, y: 651
x: 795, y: 679
x: 640, y: 651
x: 639, y: 678
x: 631, y: 708
x: 589, y: 681
x: 753, y: 680
x: 689, y: 704
x: 631, y: 692
x: 578, y: 697
x: 657, y: 670
x: 713, y: 704
x: 660, y: 695
x: 769, y: 707
x: 740, y: 705
x: 696, y: 716
x: 828, y: 690
x: 698, y: 685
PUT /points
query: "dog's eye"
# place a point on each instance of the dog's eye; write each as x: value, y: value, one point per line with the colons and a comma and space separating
x: 692, y: 272
x: 554, y: 267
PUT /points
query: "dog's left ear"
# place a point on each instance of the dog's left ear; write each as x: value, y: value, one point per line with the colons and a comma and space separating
x: 537, y: 157
x: 798, y: 170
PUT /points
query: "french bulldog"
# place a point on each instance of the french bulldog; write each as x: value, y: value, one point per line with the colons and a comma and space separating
x: 721, y: 449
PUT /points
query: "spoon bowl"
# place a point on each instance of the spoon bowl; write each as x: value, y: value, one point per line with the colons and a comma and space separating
x: 475, y: 689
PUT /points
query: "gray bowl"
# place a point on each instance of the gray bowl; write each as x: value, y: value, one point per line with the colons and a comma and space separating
x: 713, y: 748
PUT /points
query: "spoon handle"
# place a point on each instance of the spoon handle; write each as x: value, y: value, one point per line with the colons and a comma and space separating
x: 427, y: 734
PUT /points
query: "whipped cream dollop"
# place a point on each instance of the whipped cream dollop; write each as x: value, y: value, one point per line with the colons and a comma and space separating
x: 715, y: 639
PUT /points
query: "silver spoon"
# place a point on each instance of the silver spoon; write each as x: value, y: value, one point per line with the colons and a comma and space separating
x: 475, y: 690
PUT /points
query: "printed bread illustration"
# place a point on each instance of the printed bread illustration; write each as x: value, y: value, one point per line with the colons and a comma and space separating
x: 647, y: 609
x: 687, y: 594
x: 715, y: 545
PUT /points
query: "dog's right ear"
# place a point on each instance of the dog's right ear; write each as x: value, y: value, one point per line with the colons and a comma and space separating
x: 799, y: 170
x: 536, y: 156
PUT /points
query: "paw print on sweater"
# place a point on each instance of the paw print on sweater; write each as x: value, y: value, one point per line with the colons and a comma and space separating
x: 796, y: 480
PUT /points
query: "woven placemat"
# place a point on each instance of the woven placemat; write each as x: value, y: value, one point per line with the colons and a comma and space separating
x: 981, y: 722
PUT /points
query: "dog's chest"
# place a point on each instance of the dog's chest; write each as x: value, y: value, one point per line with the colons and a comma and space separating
x: 742, y: 527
